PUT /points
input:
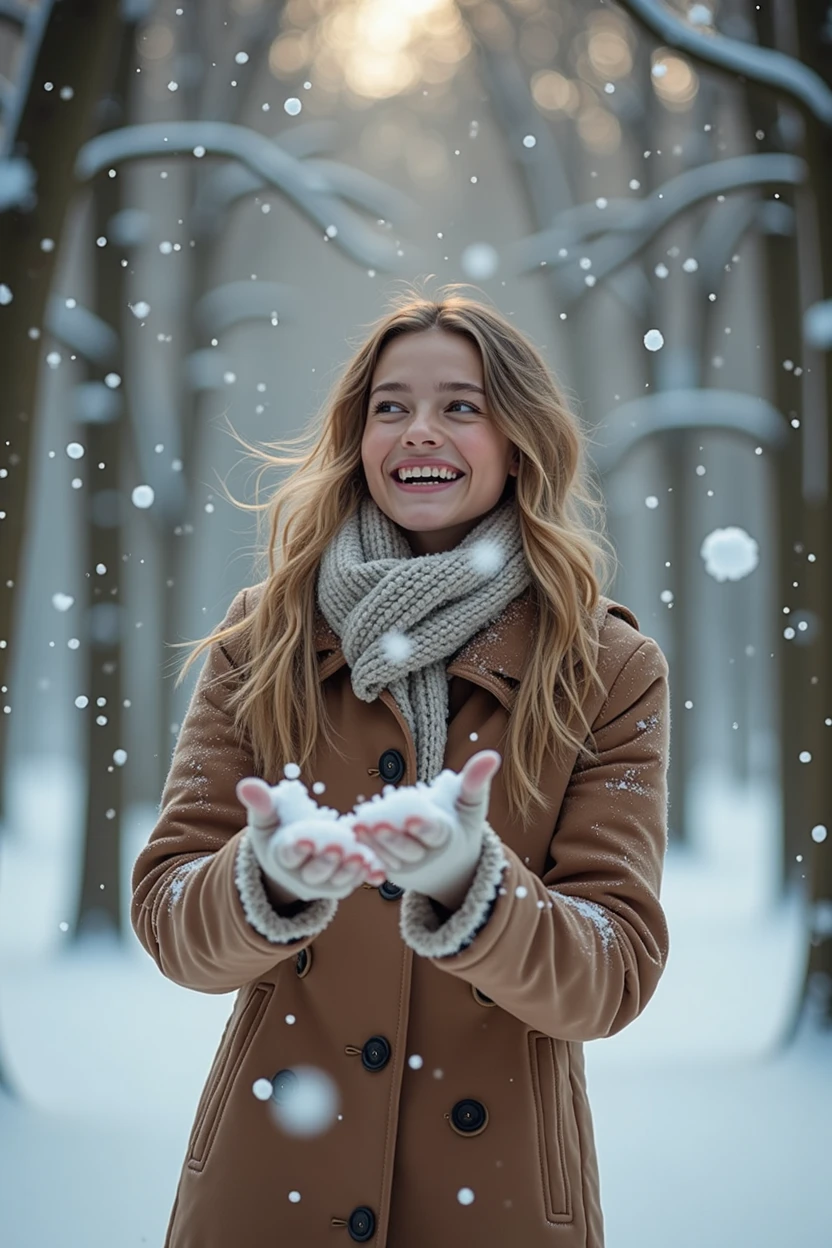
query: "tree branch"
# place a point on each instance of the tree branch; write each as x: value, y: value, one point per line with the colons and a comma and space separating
x: 762, y: 65
x: 306, y: 188
x: 645, y: 218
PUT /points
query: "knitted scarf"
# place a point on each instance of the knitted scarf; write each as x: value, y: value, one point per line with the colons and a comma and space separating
x: 401, y: 616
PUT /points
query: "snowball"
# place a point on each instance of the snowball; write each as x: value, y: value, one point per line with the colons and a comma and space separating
x: 292, y: 106
x: 729, y: 554
x: 396, y: 646
x: 62, y: 602
x: 140, y: 310
x: 309, y: 1104
x: 479, y: 261
x: 486, y: 557
x: 465, y: 1196
x: 143, y: 496
x: 262, y: 1089
x: 654, y: 340
x: 119, y: 757
x: 415, y: 1062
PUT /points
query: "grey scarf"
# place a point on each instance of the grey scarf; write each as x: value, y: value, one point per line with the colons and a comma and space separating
x: 401, y: 616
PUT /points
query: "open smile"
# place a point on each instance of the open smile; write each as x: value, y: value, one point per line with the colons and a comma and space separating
x: 424, y: 487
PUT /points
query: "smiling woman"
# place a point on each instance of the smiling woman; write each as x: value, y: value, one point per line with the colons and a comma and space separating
x: 424, y: 433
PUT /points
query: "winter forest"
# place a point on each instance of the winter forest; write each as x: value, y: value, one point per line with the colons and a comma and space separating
x: 202, y: 205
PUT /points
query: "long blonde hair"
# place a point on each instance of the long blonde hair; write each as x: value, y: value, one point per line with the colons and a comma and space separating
x: 279, y: 701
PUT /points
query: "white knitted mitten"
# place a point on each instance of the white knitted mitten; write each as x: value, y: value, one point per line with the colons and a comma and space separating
x: 309, y: 850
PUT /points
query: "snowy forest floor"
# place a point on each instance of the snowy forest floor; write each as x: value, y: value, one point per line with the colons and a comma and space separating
x: 709, y: 1130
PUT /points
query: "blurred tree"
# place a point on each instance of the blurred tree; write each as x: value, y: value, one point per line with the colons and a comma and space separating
x: 63, y: 59
x: 802, y: 74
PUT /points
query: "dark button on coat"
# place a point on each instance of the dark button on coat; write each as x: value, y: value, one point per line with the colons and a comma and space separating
x: 572, y: 951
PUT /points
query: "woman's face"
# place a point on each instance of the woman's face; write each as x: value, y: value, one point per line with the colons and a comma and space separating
x: 427, y: 407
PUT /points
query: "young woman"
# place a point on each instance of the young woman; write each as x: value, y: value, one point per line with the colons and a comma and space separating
x: 438, y: 949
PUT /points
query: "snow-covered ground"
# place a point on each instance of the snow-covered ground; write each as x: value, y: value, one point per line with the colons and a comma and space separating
x: 707, y: 1131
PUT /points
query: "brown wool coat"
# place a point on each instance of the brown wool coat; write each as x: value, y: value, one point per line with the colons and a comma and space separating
x: 499, y: 1025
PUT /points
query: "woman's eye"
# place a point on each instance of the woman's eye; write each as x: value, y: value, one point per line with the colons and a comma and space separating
x: 386, y: 404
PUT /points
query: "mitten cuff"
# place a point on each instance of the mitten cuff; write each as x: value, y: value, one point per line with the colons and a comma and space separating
x: 424, y: 931
x: 259, y: 910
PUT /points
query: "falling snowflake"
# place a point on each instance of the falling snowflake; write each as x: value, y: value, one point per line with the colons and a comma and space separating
x: 729, y: 554
x: 486, y: 557
x: 654, y: 340
x: 396, y: 646
x: 465, y: 1196
x: 307, y: 1106
x: 62, y: 602
x: 143, y: 496
x: 140, y: 310
x: 479, y: 261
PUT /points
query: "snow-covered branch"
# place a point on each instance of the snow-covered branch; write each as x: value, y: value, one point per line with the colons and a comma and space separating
x: 763, y: 65
x: 728, y: 410
x: 233, y: 182
x: 817, y: 325
x: 635, y: 224
x: 13, y: 12
x: 228, y: 305
x: 309, y: 189
x: 82, y: 331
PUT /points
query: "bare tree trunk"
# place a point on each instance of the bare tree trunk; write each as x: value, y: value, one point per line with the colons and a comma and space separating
x: 99, y: 900
x: 74, y: 53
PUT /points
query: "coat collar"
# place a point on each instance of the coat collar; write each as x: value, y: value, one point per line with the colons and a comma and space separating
x: 495, y: 657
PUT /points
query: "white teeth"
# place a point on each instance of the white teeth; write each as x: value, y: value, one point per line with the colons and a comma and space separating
x: 416, y: 474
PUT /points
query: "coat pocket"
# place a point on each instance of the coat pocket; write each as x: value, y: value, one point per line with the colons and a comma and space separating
x: 547, y: 1088
x: 233, y: 1047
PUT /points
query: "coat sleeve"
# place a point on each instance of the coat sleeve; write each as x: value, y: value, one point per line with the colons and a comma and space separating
x: 199, y: 904
x: 578, y: 953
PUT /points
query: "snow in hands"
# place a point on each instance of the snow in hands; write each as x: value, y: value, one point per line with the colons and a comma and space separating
x: 310, y: 851
x: 429, y: 836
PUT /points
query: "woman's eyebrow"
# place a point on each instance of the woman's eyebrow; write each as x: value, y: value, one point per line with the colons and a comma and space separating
x: 400, y: 386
